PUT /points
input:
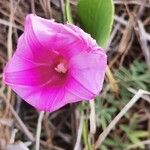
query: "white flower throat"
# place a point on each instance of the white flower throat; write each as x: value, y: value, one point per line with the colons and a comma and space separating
x: 61, y: 68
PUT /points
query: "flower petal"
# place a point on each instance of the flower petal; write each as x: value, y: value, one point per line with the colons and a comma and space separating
x: 29, y: 46
x: 23, y: 72
x: 20, y: 71
x: 89, y: 73
x: 34, y: 71
x: 76, y: 88
x: 55, y: 36
x: 50, y: 98
x: 43, y: 98
x: 88, y: 40
x: 46, y: 98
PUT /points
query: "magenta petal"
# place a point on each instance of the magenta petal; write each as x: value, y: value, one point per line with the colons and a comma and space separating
x: 20, y: 71
x: 46, y: 98
x: 23, y: 49
x: 43, y: 98
x: 55, y: 64
x: 69, y: 97
x: 35, y: 53
x: 90, y: 74
x: 89, y: 60
x: 29, y: 43
x: 89, y: 42
x: 56, y: 36
x: 76, y: 88
x: 50, y: 99
x: 30, y: 77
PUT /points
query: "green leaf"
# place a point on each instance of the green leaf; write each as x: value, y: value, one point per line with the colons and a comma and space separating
x: 135, y: 135
x: 96, y: 18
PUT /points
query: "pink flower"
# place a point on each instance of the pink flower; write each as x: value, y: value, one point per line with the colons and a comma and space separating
x: 55, y: 64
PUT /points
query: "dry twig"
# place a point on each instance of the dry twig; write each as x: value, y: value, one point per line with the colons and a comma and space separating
x: 78, y: 141
x: 104, y: 134
x: 143, y: 39
x: 92, y: 117
x: 38, y: 131
x: 22, y: 125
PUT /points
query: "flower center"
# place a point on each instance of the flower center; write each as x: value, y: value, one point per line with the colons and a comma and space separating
x: 61, y: 67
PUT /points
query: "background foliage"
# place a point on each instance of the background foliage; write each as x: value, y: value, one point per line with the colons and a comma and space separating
x: 127, y: 47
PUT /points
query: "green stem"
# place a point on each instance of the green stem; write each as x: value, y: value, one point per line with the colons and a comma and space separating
x: 68, y: 12
x: 85, y: 135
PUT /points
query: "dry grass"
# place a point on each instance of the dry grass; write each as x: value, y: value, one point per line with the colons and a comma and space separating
x: 129, y: 41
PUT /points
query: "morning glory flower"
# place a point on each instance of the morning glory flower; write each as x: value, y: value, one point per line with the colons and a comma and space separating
x: 55, y: 64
